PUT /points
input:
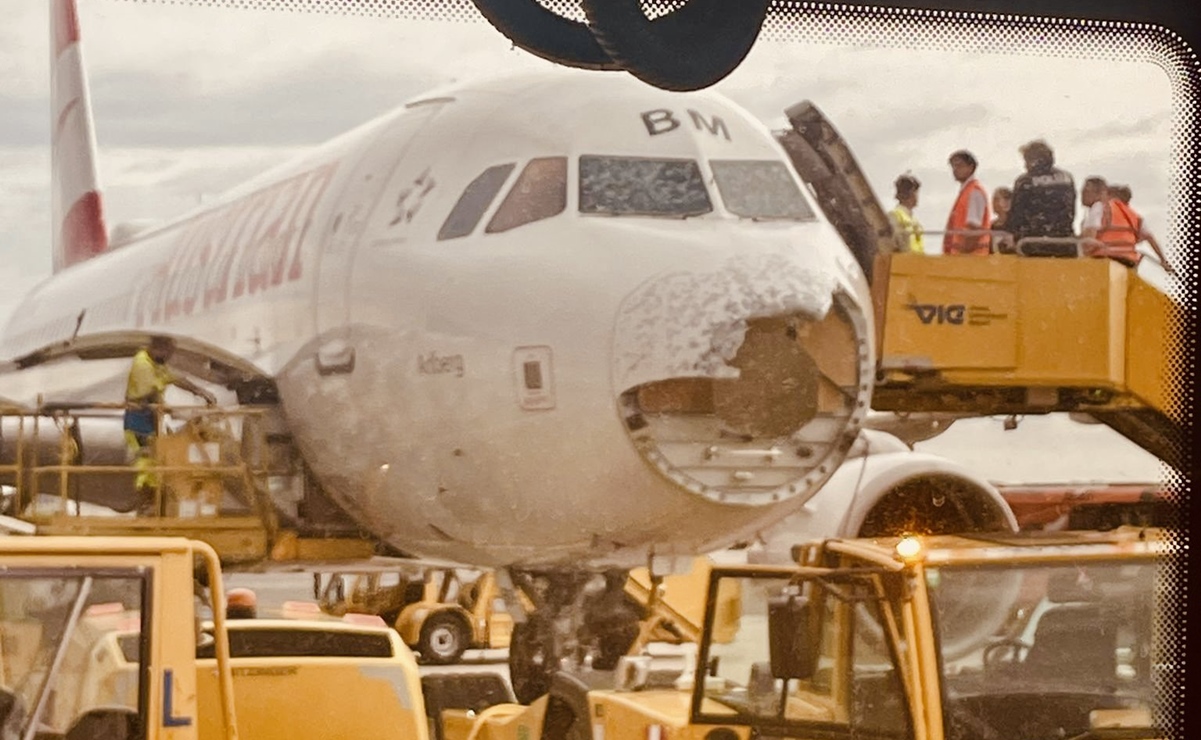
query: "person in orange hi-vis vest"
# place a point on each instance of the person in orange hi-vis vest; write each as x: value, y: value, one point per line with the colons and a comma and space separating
x: 1114, y: 226
x: 970, y: 212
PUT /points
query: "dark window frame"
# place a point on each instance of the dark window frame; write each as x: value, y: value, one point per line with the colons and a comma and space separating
x: 144, y: 577
x: 514, y: 210
x: 303, y: 642
x: 475, y: 200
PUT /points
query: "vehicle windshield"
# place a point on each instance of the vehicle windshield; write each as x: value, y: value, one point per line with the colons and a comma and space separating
x: 1030, y: 652
x: 760, y: 189
x: 785, y: 667
x: 55, y: 630
x: 636, y: 186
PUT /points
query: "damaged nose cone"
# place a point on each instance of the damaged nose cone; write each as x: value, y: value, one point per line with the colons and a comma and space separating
x: 774, y: 418
x: 776, y: 390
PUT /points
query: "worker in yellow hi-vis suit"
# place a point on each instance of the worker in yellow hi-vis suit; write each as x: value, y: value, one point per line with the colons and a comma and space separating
x: 905, y: 227
x: 149, y: 376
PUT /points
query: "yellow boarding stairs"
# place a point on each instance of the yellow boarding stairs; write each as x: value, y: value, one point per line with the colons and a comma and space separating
x: 1009, y: 334
x: 1015, y: 333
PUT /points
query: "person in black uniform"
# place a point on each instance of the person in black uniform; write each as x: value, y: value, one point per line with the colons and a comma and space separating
x: 1044, y: 197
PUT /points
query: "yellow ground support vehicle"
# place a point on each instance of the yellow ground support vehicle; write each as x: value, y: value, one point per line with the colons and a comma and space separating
x: 101, y: 637
x: 441, y: 610
x: 1013, y: 637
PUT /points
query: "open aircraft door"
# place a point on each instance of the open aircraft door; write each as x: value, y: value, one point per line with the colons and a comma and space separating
x: 363, y: 194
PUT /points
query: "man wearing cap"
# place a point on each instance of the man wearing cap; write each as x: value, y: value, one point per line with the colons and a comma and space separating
x: 970, y: 212
x: 906, y: 228
x: 1044, y: 197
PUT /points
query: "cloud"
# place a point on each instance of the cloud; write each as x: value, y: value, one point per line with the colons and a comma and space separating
x: 26, y: 121
x: 1156, y: 125
x: 1045, y: 449
x: 148, y: 109
x: 189, y: 99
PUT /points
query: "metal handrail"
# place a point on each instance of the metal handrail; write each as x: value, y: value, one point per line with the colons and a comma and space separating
x: 1002, y: 240
x: 27, y: 468
x: 963, y: 232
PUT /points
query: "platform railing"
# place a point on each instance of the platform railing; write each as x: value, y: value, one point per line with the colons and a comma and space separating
x: 1002, y: 242
x: 26, y: 442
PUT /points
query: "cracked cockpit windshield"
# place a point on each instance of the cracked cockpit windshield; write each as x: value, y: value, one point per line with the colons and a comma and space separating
x: 760, y: 190
x: 640, y: 186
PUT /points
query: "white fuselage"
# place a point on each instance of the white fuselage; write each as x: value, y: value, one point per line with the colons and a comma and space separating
x: 463, y: 397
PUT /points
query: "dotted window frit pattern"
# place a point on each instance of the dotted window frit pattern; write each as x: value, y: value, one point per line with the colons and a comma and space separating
x: 844, y: 24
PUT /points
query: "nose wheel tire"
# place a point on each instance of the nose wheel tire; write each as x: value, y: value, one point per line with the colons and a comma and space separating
x: 443, y: 639
x: 530, y: 660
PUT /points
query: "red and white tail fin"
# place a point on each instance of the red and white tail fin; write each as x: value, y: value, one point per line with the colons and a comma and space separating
x: 78, y: 219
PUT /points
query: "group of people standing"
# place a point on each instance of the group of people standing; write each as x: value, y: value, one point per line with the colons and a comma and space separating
x: 1041, y: 204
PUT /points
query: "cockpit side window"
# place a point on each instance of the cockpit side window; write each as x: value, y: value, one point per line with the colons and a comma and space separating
x: 760, y: 189
x: 540, y: 192
x: 476, y: 198
x: 637, y: 186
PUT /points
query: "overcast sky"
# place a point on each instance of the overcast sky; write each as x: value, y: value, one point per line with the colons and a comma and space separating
x: 189, y: 100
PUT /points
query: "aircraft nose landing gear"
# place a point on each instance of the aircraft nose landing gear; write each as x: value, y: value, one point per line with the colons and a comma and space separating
x: 575, y: 619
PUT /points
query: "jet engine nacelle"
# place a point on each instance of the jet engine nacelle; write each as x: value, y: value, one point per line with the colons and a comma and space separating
x: 900, y: 491
x: 884, y: 489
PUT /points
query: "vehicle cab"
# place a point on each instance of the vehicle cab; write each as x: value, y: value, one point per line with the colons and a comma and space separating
x: 312, y: 677
x: 98, y: 638
x: 1025, y: 636
x: 1005, y: 636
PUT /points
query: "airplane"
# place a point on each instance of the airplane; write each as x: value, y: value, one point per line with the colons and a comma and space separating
x: 557, y: 323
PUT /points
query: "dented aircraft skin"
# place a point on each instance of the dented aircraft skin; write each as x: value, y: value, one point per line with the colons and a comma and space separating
x: 566, y: 378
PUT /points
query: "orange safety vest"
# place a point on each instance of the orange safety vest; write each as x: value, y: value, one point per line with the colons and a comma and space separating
x: 962, y: 243
x: 1120, y: 227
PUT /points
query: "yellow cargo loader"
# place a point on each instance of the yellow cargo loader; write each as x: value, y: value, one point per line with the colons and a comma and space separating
x: 940, y: 638
x: 218, y: 475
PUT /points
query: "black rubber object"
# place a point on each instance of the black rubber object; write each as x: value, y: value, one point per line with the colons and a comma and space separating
x: 530, y: 664
x: 547, y: 34
x: 460, y: 631
x: 689, y: 48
